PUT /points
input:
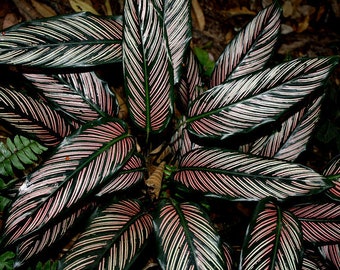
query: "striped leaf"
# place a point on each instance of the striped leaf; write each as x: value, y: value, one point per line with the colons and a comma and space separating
x: 81, y: 165
x: 273, y: 239
x: 178, y: 29
x: 320, y: 221
x: 83, y: 96
x: 147, y: 67
x: 46, y: 240
x: 331, y: 254
x: 77, y: 40
x: 251, y: 49
x: 233, y: 175
x: 186, y: 237
x: 228, y: 256
x: 113, y: 239
x: 131, y: 173
x: 332, y: 171
x: 291, y: 140
x: 257, y: 101
x: 32, y: 117
x: 312, y: 260
x: 190, y: 84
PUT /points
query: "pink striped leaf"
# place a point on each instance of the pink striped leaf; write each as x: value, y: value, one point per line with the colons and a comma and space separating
x: 251, y: 49
x: 46, y: 240
x: 312, y: 260
x: 113, y: 239
x: 228, y: 256
x: 132, y: 173
x: 82, y: 164
x: 76, y: 40
x: 320, y: 221
x: 291, y: 140
x: 237, y: 176
x: 186, y: 237
x: 147, y: 67
x: 252, y: 103
x: 273, y: 239
x: 332, y: 172
x: 83, y: 96
x: 177, y: 20
x: 331, y: 254
x: 191, y: 82
x: 33, y: 117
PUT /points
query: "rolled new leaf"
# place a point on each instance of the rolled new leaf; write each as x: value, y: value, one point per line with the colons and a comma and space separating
x: 147, y: 67
x: 113, y: 239
x: 237, y: 176
x: 251, y: 49
x: 320, y: 222
x: 81, y: 165
x: 76, y: 40
x: 33, y: 117
x: 82, y: 96
x: 273, y: 239
x: 177, y: 21
x: 247, y: 106
x: 186, y: 237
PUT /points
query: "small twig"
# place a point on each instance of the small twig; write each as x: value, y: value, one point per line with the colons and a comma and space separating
x: 27, y: 10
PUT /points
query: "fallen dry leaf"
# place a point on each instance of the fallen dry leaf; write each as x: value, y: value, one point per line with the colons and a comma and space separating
x: 10, y: 19
x: 43, y: 9
x: 199, y: 15
x: 240, y: 11
x: 154, y: 182
x: 302, y: 26
x: 83, y: 5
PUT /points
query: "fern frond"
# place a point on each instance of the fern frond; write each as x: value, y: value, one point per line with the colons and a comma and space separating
x: 17, y: 153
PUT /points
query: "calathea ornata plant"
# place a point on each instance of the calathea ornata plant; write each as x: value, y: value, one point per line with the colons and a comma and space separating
x: 234, y: 138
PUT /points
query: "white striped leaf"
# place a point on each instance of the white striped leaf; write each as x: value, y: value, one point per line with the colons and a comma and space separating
x: 46, y: 240
x: 186, y: 237
x: 320, y: 221
x: 32, y: 117
x: 331, y: 254
x: 332, y: 172
x: 312, y: 260
x: 251, y: 49
x: 83, y: 96
x: 291, y: 140
x: 113, y: 239
x: 257, y: 101
x: 77, y: 40
x: 81, y: 165
x: 273, y: 240
x: 238, y: 176
x: 190, y: 83
x: 228, y: 256
x: 177, y: 21
x: 147, y: 67
x: 131, y: 174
